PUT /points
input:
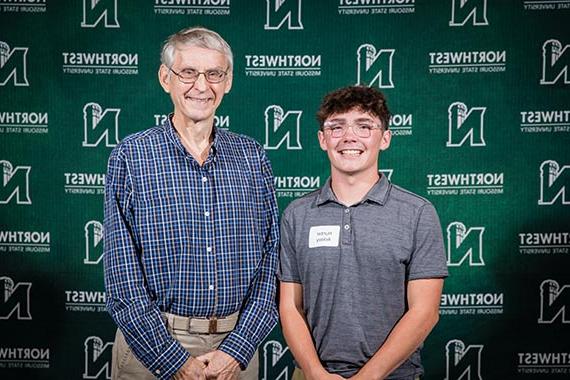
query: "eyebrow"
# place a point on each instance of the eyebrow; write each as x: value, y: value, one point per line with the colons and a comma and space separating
x: 209, y: 69
x: 342, y: 119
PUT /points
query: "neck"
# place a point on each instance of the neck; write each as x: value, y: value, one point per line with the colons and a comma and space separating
x: 196, y: 137
x: 350, y: 189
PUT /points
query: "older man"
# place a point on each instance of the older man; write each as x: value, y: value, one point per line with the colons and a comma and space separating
x: 191, y: 231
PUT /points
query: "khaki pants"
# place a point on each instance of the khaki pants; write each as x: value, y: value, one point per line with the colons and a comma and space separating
x: 125, y: 365
x: 299, y: 375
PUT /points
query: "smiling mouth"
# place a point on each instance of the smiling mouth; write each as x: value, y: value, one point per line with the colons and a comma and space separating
x: 351, y: 152
x: 199, y: 100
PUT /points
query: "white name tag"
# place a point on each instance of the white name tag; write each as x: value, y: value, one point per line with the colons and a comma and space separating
x: 324, y: 236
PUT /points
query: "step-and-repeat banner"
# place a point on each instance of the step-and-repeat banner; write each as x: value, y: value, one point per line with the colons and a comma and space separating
x: 480, y: 91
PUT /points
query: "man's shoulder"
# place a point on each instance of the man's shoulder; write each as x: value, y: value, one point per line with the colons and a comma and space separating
x: 303, y: 204
x: 406, y: 198
x: 235, y: 138
x: 141, y: 137
x: 137, y: 140
x: 238, y: 145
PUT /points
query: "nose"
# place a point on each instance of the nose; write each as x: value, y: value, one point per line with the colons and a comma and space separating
x: 201, y: 82
x: 349, y: 134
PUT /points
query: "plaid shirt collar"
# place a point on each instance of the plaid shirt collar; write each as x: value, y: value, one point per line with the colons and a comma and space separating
x: 173, y: 136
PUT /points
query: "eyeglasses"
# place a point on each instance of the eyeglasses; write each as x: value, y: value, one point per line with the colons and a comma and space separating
x: 360, y: 129
x: 190, y: 76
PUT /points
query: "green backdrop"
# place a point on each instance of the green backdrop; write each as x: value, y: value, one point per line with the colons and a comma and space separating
x: 480, y: 95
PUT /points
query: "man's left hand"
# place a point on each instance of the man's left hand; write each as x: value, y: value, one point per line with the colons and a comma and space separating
x: 220, y: 366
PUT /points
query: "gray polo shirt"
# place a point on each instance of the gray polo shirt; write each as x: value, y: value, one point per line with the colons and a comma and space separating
x: 353, y: 263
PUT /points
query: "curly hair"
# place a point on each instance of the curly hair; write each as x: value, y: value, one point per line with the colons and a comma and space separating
x: 363, y: 98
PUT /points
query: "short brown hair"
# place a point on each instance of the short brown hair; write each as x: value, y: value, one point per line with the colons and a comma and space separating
x: 363, y: 98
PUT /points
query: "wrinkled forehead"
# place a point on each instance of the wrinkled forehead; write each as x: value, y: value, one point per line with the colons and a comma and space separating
x: 194, y: 53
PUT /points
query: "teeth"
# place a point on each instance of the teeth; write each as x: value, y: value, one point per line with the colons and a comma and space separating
x: 350, y: 151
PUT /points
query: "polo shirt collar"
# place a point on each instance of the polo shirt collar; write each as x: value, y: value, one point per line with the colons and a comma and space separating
x: 377, y: 194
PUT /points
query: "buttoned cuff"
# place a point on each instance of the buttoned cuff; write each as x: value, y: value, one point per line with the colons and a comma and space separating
x: 169, y: 361
x: 239, y: 348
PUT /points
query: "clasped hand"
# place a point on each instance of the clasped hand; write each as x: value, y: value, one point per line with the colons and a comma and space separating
x: 213, y: 365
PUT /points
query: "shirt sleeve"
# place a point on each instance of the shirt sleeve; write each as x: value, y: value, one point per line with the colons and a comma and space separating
x: 259, y: 312
x: 128, y: 299
x: 288, y: 269
x: 428, y: 258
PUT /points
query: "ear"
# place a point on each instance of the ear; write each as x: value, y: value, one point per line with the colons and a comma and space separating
x: 165, y: 78
x: 229, y: 81
x: 322, y: 140
x: 385, y: 140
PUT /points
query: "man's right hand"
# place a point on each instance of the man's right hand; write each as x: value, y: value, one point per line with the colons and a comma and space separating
x: 193, y: 369
x: 321, y: 374
x: 328, y: 376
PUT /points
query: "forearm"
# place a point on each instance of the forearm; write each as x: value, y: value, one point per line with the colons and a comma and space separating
x: 410, y: 331
x: 144, y: 329
x: 404, y: 339
x: 298, y: 337
x: 256, y: 322
x: 259, y: 312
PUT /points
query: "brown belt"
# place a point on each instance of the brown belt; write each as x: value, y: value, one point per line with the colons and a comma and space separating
x: 213, y: 325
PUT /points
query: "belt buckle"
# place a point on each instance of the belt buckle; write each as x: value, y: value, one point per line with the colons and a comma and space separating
x: 213, y: 325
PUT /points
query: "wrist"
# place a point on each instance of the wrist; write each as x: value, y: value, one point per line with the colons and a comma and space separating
x: 315, y: 371
x: 364, y: 374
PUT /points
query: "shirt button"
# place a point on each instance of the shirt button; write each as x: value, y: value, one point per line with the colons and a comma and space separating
x: 204, y: 179
x: 346, y: 226
x: 211, y: 287
x: 207, y: 213
x: 208, y: 249
x: 346, y: 211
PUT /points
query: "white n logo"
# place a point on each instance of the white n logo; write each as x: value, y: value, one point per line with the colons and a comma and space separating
x: 553, y: 182
x: 463, y: 243
x: 465, y: 124
x: 279, y: 11
x: 463, y: 363
x: 96, y: 10
x: 555, y: 62
x: 553, y: 302
x: 463, y: 10
x: 374, y: 67
x: 14, y: 299
x: 13, y: 65
x: 279, y: 126
x: 93, y: 238
x: 98, y: 125
x: 277, y: 361
x: 97, y: 358
x: 15, y: 182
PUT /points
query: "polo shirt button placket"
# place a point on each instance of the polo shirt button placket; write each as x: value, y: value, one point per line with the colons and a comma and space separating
x: 346, y: 221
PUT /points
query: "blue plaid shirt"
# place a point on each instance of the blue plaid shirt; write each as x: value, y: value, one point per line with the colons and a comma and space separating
x: 190, y: 240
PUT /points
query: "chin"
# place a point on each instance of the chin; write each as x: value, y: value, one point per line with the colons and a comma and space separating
x: 200, y: 115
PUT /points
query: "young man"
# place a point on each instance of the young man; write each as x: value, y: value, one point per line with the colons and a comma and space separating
x: 362, y: 260
x: 191, y: 231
